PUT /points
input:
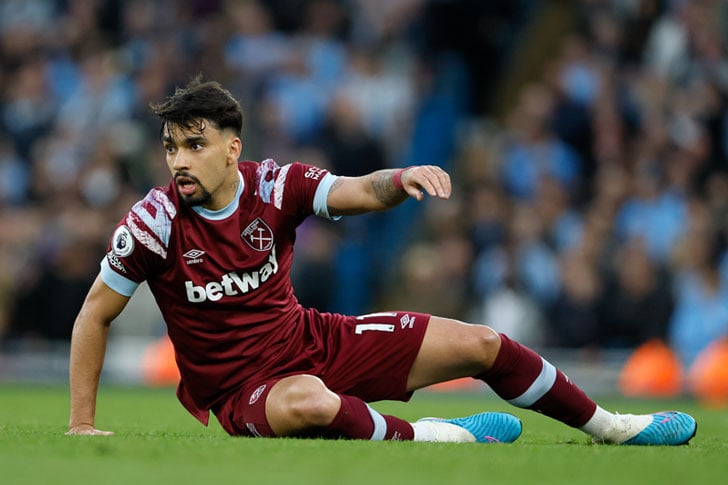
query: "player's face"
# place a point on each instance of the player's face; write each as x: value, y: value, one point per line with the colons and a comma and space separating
x: 200, y: 161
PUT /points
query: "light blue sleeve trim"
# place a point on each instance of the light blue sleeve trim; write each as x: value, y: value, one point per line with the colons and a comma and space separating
x: 320, y: 205
x: 121, y: 285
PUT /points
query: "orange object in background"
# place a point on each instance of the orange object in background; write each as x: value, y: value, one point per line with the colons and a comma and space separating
x: 708, y: 376
x: 653, y: 370
x: 464, y: 384
x: 159, y: 367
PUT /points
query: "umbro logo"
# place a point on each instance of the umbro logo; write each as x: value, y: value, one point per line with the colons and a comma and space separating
x: 193, y: 256
x: 407, y: 321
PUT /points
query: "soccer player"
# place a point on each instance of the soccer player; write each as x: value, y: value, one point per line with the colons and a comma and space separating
x: 216, y: 247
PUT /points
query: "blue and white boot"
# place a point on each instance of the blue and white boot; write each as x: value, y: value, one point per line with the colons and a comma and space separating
x: 667, y: 428
x: 481, y: 428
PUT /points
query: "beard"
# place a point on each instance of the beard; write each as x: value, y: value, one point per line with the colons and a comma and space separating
x: 202, y: 198
x: 201, y: 195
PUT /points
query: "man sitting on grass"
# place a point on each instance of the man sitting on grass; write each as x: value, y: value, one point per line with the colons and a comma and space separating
x: 216, y: 247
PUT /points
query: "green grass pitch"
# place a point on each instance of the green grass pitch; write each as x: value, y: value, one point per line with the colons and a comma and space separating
x: 157, y: 442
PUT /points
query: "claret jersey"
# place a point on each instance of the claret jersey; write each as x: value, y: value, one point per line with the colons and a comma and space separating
x: 221, y: 278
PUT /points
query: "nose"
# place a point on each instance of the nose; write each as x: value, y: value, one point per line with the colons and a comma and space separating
x: 179, y: 161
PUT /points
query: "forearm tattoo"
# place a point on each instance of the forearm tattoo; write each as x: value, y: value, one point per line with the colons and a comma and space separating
x: 384, y: 189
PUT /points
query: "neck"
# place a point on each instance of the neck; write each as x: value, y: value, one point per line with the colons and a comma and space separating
x: 225, y: 193
x: 219, y: 212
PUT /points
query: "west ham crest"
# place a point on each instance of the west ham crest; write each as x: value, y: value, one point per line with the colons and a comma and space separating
x: 258, y: 235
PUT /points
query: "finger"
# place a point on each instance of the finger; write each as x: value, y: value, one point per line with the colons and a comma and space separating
x: 445, y: 184
x: 441, y: 182
x: 418, y: 182
x: 438, y: 181
x: 429, y: 186
x: 89, y: 432
x: 413, y: 192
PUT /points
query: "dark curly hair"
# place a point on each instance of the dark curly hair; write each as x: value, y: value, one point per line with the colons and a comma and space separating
x: 200, y: 101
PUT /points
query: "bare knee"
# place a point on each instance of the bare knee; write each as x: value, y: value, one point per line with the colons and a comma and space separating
x: 489, y: 342
x: 480, y: 346
x: 301, y: 403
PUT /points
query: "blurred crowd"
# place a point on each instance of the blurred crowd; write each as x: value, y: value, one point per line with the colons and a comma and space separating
x: 592, y: 214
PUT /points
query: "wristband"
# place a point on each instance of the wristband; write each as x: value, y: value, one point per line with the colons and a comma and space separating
x: 397, y: 178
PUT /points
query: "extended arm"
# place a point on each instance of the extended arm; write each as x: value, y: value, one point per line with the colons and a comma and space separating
x: 378, y: 190
x: 88, y: 347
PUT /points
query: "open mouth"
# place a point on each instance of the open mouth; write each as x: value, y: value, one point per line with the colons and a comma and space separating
x: 186, y: 184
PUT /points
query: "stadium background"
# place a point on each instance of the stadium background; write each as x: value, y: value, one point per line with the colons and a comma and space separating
x: 587, y: 141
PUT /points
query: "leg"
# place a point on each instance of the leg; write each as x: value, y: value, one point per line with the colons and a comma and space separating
x: 373, y: 363
x: 302, y: 405
x: 369, y: 360
x: 453, y: 349
x: 551, y: 393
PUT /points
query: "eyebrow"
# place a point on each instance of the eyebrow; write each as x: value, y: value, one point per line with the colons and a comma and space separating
x: 187, y: 140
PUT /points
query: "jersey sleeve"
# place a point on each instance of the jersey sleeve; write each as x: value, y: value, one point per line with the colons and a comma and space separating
x: 297, y: 188
x: 138, y: 246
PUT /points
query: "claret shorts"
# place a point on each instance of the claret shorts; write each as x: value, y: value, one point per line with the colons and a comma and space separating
x: 368, y: 356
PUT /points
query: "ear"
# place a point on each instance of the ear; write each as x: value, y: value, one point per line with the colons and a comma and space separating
x: 235, y: 147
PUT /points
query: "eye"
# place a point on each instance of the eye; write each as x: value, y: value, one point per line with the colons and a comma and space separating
x: 196, y: 146
x: 169, y: 148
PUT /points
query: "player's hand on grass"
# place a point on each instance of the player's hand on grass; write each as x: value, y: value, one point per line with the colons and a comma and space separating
x: 87, y: 430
